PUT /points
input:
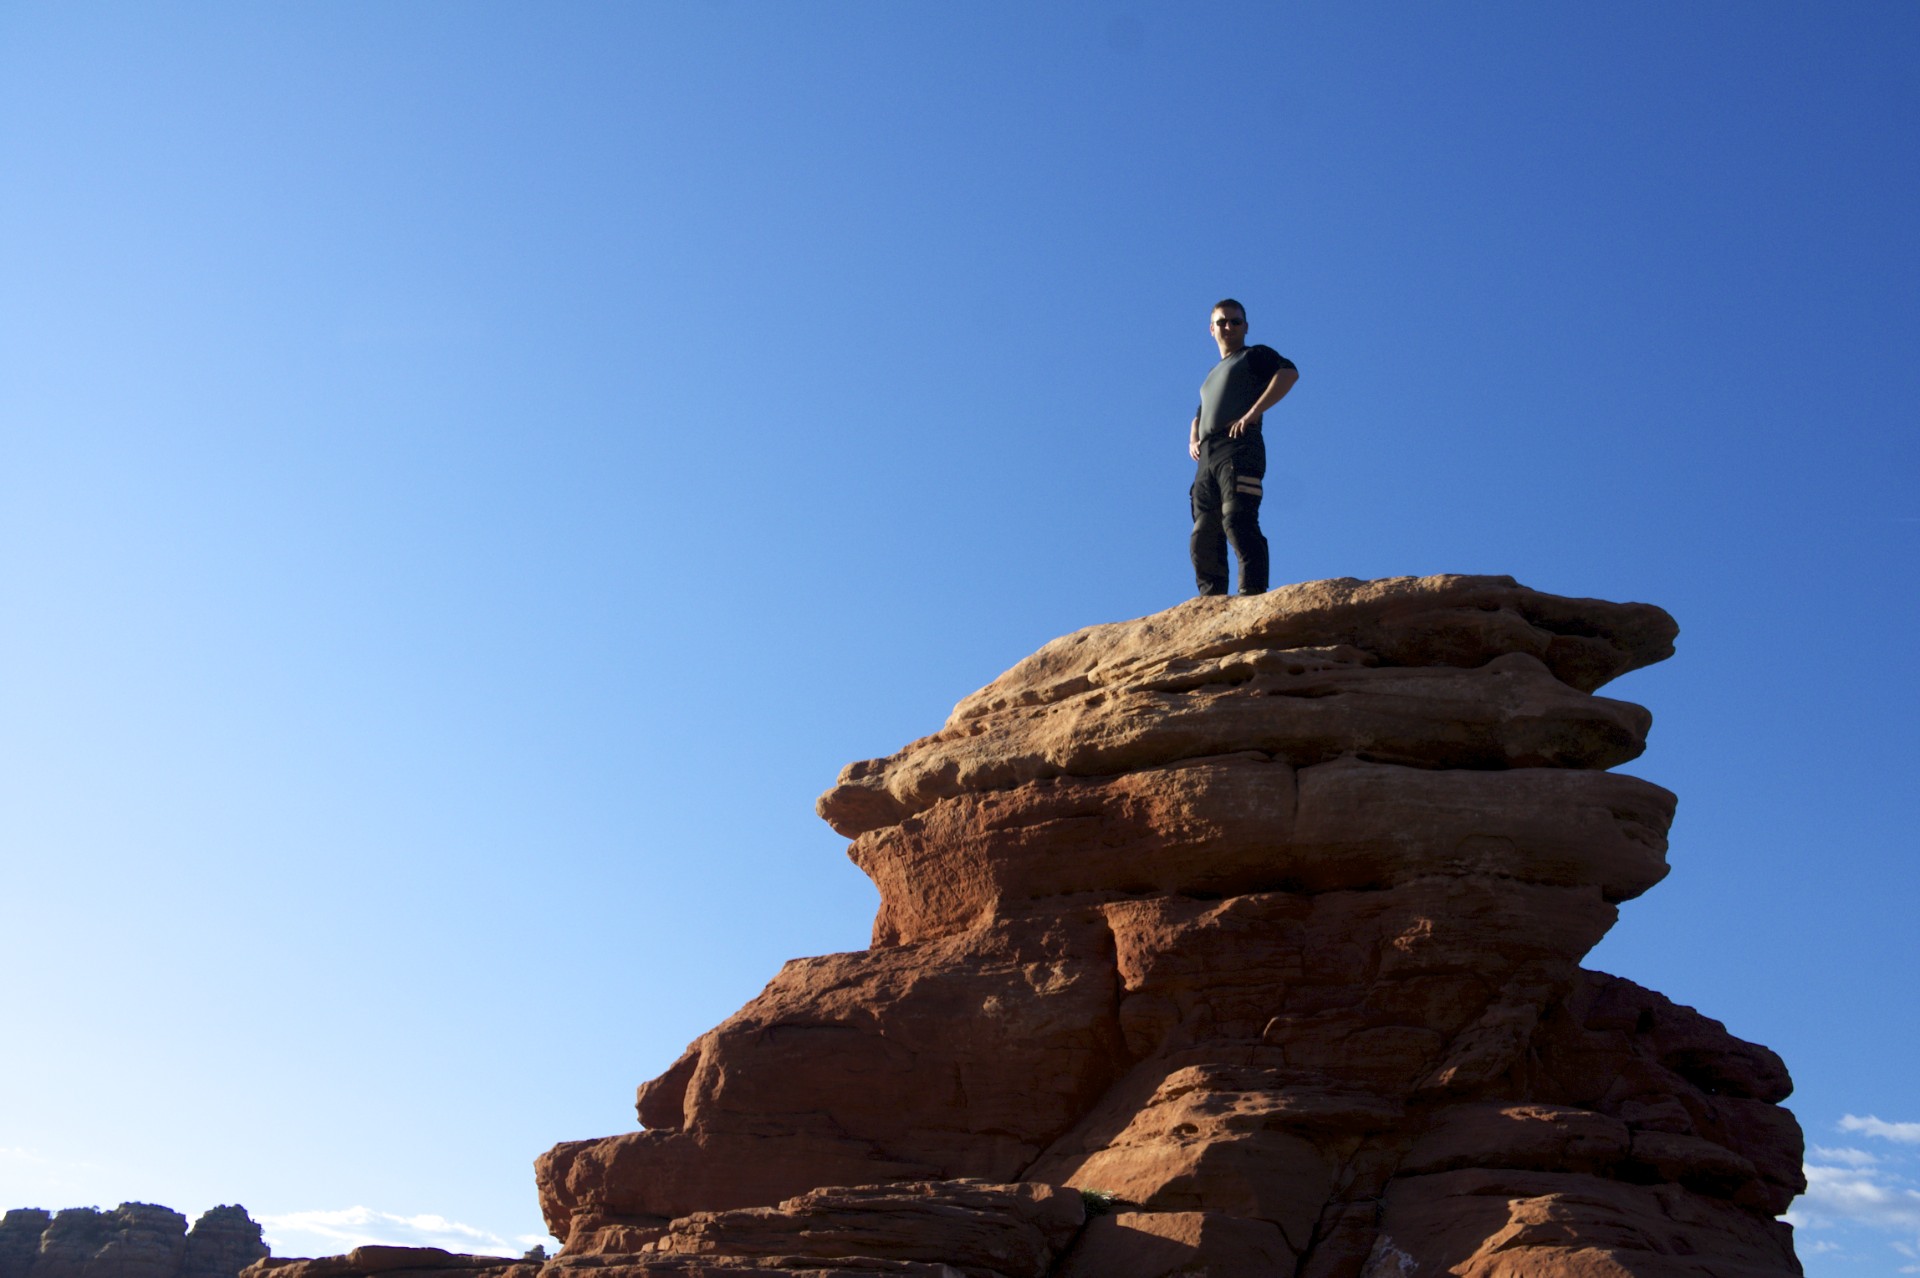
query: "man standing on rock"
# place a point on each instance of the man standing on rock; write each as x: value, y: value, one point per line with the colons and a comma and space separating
x: 1225, y: 440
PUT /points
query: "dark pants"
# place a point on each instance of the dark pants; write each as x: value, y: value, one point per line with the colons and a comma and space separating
x: 1226, y: 509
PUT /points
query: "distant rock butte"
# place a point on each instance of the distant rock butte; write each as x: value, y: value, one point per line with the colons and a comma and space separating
x: 134, y: 1240
x: 1263, y: 918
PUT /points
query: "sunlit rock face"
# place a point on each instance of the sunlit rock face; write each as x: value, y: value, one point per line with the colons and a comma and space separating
x: 134, y: 1240
x: 1262, y: 918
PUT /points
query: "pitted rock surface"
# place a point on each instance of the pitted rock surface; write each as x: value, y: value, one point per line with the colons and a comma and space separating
x: 134, y: 1240
x: 1263, y: 919
x: 1443, y: 672
x: 1241, y: 939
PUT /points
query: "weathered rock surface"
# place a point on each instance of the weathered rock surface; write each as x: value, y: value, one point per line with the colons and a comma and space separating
x: 1264, y: 918
x: 221, y: 1243
x: 1258, y: 920
x: 414, y: 1262
x: 1441, y: 672
x: 919, y: 1229
x: 134, y: 1240
x: 20, y: 1233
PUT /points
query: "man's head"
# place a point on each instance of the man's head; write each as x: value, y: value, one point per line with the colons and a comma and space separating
x: 1228, y: 325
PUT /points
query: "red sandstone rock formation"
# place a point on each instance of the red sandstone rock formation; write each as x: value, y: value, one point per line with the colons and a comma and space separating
x: 134, y: 1240
x: 1262, y: 917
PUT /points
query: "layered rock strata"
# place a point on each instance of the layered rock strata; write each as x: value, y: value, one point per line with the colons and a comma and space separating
x: 1263, y: 918
x: 1257, y: 921
x: 134, y: 1240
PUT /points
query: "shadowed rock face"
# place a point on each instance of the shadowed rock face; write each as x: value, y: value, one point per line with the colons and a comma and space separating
x: 134, y: 1240
x: 1262, y: 917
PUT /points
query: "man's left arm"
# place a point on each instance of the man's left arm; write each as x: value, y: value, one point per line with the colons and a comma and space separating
x: 1275, y: 392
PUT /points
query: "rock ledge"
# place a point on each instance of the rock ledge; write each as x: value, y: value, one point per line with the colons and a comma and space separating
x: 1255, y: 925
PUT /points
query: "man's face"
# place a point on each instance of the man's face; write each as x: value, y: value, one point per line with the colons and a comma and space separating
x: 1229, y: 329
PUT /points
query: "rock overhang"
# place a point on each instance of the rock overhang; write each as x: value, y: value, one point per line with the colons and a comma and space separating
x: 1263, y: 917
x: 1443, y: 672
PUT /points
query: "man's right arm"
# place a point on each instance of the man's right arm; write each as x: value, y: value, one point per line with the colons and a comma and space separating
x: 1193, y: 438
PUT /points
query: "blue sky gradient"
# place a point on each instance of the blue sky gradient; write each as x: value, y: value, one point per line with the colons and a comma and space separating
x: 471, y: 473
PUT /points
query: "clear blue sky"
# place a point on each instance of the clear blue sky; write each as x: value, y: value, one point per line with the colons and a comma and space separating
x: 470, y: 474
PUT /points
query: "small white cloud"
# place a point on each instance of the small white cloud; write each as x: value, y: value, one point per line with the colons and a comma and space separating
x: 325, y: 1233
x: 1845, y: 1155
x: 1904, y: 1133
x: 1857, y: 1196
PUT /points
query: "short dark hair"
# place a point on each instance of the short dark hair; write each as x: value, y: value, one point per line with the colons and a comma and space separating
x: 1225, y: 302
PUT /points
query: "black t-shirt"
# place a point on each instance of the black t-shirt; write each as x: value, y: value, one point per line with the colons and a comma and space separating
x: 1235, y: 385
